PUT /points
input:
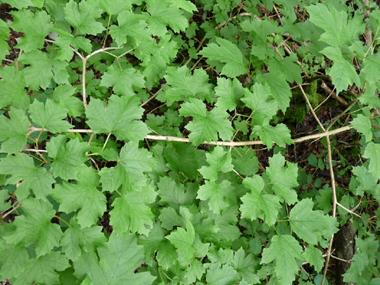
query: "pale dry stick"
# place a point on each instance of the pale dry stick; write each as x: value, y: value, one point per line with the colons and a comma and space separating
x: 151, y: 98
x: 193, y: 67
x: 198, y: 48
x: 326, y: 134
x: 311, y: 107
x: 238, y: 174
x: 221, y: 143
x: 367, y: 32
x: 19, y: 203
x: 332, y: 176
x: 84, y: 62
x: 34, y: 150
x: 229, y: 20
x: 324, y: 101
x: 352, y: 212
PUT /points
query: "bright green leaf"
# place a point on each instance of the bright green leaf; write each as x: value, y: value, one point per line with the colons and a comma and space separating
x: 83, y: 16
x: 219, y: 163
x: 220, y: 196
x: 363, y: 125
x: 13, y: 131
x: 285, y: 250
x: 280, y: 134
x: 36, y: 226
x: 311, y: 225
x: 255, y: 205
x: 122, y: 80
x: 183, y: 240
x: 21, y: 167
x: 227, y: 53
x: 115, y: 262
x: 206, y: 125
x: 119, y: 117
x: 283, y: 178
x: 131, y: 211
x: 13, y: 88
x: 372, y: 152
x: 67, y: 156
x: 82, y: 195
x: 49, y: 116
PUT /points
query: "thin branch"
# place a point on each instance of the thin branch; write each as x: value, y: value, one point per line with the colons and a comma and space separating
x: 352, y: 212
x: 19, y: 203
x: 151, y: 98
x: 222, y: 143
x: 333, y: 207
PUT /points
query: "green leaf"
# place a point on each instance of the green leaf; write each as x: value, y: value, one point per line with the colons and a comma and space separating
x: 36, y: 226
x: 371, y: 68
x: 343, y: 73
x: 206, y: 125
x: 255, y: 205
x: 261, y: 103
x: 13, y: 88
x: 43, y: 270
x: 13, y: 131
x: 21, y: 167
x: 132, y: 164
x: 226, y: 223
x: 162, y: 15
x: 194, y: 272
x: 283, y: 178
x: 246, y: 266
x: 66, y: 41
x: 220, y: 196
x: 311, y: 225
x: 83, y: 16
x: 367, y: 182
x: 173, y: 194
x: 315, y: 257
x: 183, y: 240
x: 287, y: 67
x: 131, y: 29
x: 82, y: 195
x: 67, y: 156
x: 49, y: 116
x: 131, y: 211
x: 225, y: 275
x: 339, y: 30
x: 372, y: 152
x: 115, y: 262
x: 245, y: 163
x: 219, y: 163
x: 42, y: 70
x: 63, y: 95
x: 122, y: 80
x: 364, y: 260
x: 76, y: 239
x: 114, y: 7
x: 229, y: 91
x: 285, y: 250
x: 186, y: 85
x: 13, y: 259
x: 36, y: 27
x: 279, y: 88
x: 155, y: 242
x: 183, y: 4
x: 280, y: 134
x: 363, y: 125
x: 228, y: 53
x: 184, y: 158
x: 119, y: 117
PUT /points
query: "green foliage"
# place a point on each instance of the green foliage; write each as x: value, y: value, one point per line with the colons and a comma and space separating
x: 125, y: 141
